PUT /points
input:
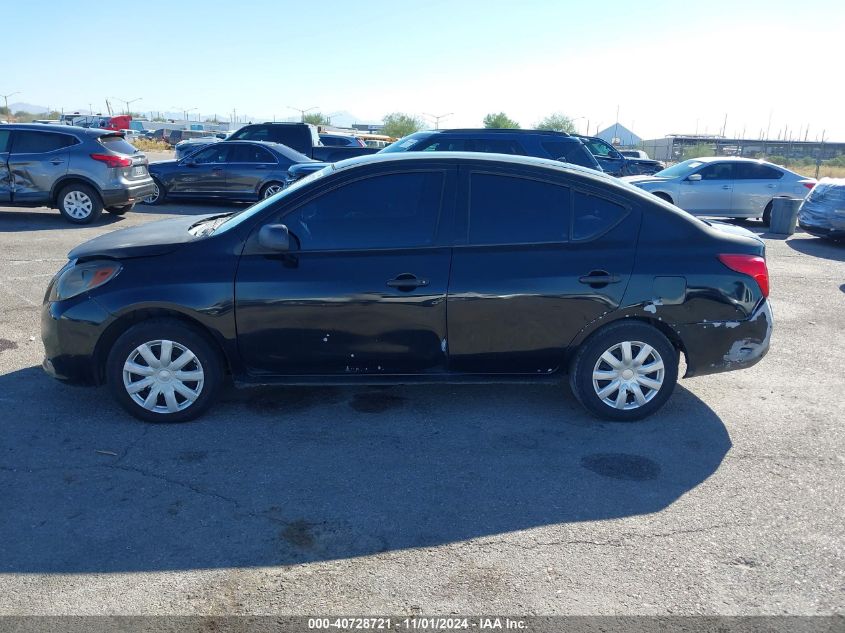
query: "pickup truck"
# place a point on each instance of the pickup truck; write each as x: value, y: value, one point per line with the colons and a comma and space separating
x: 615, y: 164
x: 303, y: 137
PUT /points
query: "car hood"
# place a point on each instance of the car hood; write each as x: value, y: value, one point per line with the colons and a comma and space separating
x: 155, y: 238
x: 638, y: 180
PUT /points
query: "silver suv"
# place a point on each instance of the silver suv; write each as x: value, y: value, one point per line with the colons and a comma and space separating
x: 78, y: 170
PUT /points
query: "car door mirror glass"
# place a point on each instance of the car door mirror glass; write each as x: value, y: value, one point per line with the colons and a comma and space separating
x: 694, y: 177
x: 275, y: 237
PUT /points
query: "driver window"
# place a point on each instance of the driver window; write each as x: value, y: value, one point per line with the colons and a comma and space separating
x: 716, y: 171
x: 388, y: 211
x: 209, y: 155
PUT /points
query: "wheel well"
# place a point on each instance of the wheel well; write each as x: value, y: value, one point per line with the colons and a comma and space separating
x: 69, y: 180
x: 116, y: 329
x: 663, y: 327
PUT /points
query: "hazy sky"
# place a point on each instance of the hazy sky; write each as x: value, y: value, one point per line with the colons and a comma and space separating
x: 669, y: 66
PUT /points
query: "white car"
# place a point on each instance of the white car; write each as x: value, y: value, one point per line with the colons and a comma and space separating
x: 634, y: 153
x: 725, y: 187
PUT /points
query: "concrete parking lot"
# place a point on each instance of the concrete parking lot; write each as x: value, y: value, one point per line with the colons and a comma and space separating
x: 432, y: 499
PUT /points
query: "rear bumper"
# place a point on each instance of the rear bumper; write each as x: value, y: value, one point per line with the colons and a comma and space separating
x: 822, y: 231
x: 716, y: 346
x: 128, y: 194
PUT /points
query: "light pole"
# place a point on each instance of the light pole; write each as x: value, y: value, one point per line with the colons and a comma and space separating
x: 303, y: 111
x: 6, y: 99
x: 127, y: 102
x: 185, y: 111
x: 437, y: 118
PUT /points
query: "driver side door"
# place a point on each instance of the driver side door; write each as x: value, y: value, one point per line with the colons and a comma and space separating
x: 712, y: 194
x: 203, y: 173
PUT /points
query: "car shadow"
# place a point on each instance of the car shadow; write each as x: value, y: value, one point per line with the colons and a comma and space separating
x: 190, y: 207
x: 290, y: 475
x: 26, y: 219
x: 819, y: 247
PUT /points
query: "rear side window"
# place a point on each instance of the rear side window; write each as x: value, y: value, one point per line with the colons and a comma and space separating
x: 4, y: 141
x: 513, y: 210
x: 117, y: 143
x: 754, y: 171
x: 255, y: 133
x: 250, y: 154
x: 30, y: 142
x: 593, y: 215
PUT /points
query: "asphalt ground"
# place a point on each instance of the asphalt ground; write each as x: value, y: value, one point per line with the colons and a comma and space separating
x: 426, y: 499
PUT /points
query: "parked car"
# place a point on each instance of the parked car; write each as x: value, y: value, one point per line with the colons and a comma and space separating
x: 80, y: 171
x: 302, y: 137
x: 615, y: 162
x: 234, y: 171
x: 414, y: 267
x: 634, y: 153
x: 823, y: 211
x: 341, y: 140
x: 541, y: 143
x: 725, y: 187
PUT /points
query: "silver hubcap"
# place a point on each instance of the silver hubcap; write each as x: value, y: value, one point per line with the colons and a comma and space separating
x: 272, y: 190
x: 163, y: 376
x: 78, y: 205
x: 153, y: 196
x: 628, y: 375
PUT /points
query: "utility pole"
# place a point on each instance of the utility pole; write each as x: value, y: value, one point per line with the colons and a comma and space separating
x: 819, y: 157
x: 128, y: 102
x: 303, y: 111
x: 6, y: 100
x: 437, y: 118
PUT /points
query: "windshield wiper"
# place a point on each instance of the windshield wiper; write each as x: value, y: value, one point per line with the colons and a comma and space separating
x: 208, y: 226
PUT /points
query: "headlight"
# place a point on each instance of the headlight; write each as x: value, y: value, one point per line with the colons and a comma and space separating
x: 84, y: 277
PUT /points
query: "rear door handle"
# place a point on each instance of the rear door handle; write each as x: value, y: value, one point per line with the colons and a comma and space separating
x: 726, y: 186
x: 407, y: 282
x: 56, y: 161
x: 599, y: 278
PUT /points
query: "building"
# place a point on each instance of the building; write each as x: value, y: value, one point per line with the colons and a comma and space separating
x: 620, y: 136
x: 675, y: 147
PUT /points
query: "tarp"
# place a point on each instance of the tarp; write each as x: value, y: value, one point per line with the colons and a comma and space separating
x: 825, y: 206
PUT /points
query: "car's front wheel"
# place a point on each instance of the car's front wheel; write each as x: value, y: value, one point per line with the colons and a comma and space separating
x: 625, y: 372
x: 163, y: 370
x: 79, y: 203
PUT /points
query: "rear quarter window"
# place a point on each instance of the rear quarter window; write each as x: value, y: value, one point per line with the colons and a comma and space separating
x: 592, y: 216
x: 117, y: 144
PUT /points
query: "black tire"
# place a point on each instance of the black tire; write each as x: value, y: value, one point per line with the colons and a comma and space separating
x: 79, y: 203
x: 664, y: 196
x: 265, y: 188
x: 121, y: 210
x: 207, y: 360
x: 767, y: 214
x: 160, y: 194
x: 587, y: 359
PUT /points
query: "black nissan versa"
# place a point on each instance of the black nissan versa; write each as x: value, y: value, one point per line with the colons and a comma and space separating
x: 414, y: 267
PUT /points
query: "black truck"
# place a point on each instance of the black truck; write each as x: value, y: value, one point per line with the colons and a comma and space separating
x: 303, y: 137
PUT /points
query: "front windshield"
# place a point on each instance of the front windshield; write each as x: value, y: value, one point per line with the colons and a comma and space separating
x: 405, y: 144
x: 241, y: 216
x: 680, y: 170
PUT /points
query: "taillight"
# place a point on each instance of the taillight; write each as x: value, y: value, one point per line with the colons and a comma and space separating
x: 809, y: 185
x: 751, y: 265
x: 111, y: 160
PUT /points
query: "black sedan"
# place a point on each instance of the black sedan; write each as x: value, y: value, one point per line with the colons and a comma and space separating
x: 236, y: 170
x: 414, y: 267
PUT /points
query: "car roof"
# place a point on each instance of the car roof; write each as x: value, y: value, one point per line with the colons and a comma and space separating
x: 91, y: 131
x: 509, y: 159
x: 497, y: 131
x: 278, y: 148
x: 731, y: 159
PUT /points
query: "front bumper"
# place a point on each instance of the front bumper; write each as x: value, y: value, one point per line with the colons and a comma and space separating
x: 70, y: 330
x: 128, y: 194
x: 716, y: 346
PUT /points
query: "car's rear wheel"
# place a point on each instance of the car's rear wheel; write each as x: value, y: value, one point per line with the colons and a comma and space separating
x: 624, y: 372
x: 79, y: 203
x: 121, y: 210
x: 271, y: 189
x: 158, y: 195
x: 164, y: 371
x: 767, y: 214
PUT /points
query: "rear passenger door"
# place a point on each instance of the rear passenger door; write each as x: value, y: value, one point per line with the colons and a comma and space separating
x: 536, y: 258
x: 5, y: 181
x: 248, y: 167
x: 754, y: 186
x: 36, y: 161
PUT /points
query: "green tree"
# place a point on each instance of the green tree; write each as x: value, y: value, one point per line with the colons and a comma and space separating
x: 698, y: 151
x: 500, y: 120
x: 316, y: 118
x: 558, y: 122
x: 399, y: 124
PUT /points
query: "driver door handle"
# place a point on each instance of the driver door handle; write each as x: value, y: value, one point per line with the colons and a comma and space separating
x: 599, y: 278
x: 407, y: 282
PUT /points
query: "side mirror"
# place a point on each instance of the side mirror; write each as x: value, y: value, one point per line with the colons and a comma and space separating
x: 274, y: 237
x: 694, y: 177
